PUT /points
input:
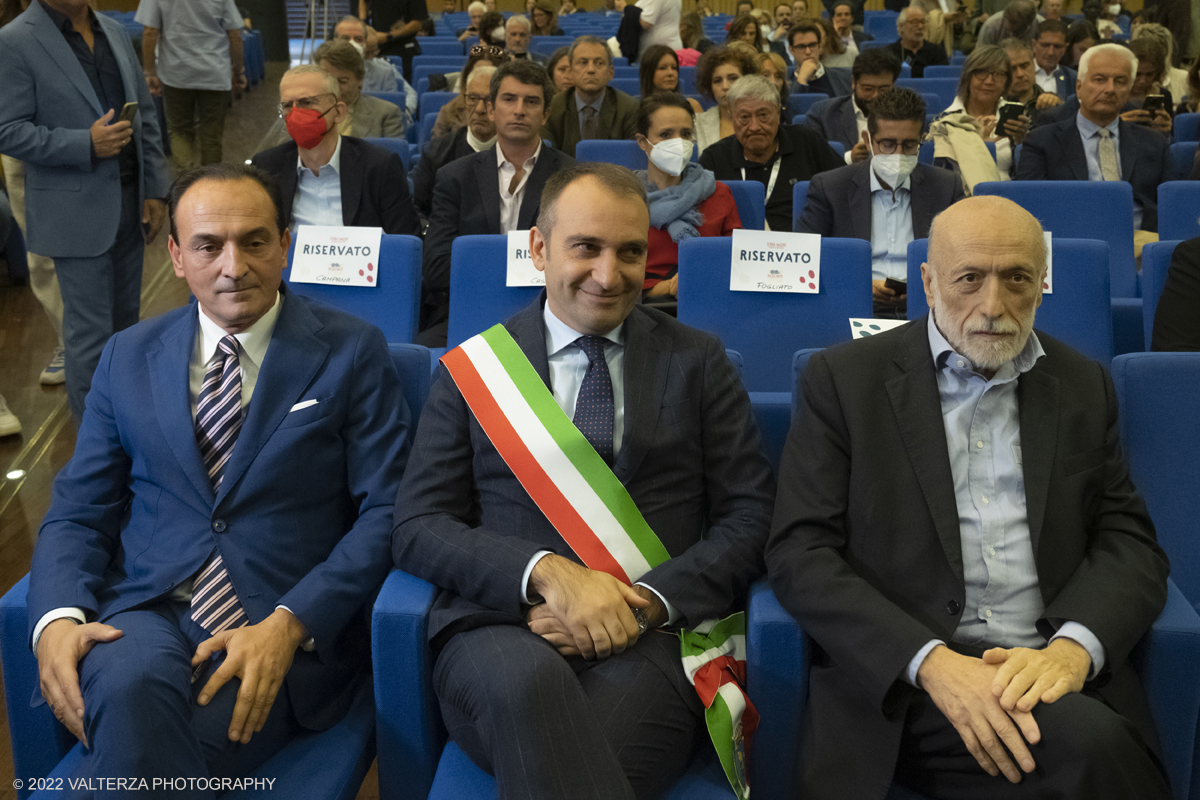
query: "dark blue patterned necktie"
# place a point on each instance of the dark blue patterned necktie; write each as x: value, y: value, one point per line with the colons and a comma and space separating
x: 594, y: 405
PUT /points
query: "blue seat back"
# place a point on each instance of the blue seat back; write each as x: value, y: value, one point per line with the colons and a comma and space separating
x: 1078, y: 311
x: 624, y: 152
x: 626, y: 71
x: 943, y: 71
x: 479, y: 297
x: 768, y: 327
x: 1178, y: 210
x: 393, y: 303
x: 944, y: 88
x: 751, y: 200
x: 414, y: 367
x: 687, y: 80
x: 1187, y: 127
x: 838, y: 148
x: 441, y: 46
x: 799, y: 364
x: 398, y: 146
x: 800, y: 119
x: 1183, y: 160
x: 630, y: 86
x: 1163, y: 448
x: 432, y: 102
x: 1082, y: 210
x: 925, y: 156
x: 801, y: 103
x: 882, y: 28
x: 395, y: 98
x: 1156, y: 262
x: 546, y: 45
x: 799, y: 199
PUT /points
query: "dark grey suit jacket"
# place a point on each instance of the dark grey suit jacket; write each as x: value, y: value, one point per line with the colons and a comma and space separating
x: 865, y: 548
x: 691, y: 459
x: 617, y: 119
x: 834, y: 120
x: 839, y: 201
x: 1055, y: 153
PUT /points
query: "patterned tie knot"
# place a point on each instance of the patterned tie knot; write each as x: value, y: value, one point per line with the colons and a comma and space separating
x: 592, y: 347
x: 228, y: 345
x: 1105, y: 133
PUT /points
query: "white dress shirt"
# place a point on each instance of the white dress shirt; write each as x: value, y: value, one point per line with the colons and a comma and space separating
x: 510, y: 202
x: 568, y: 364
x: 1047, y: 81
x: 318, y: 198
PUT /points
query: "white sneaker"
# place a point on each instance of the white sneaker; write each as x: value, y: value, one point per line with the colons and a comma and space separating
x: 55, y: 372
x: 9, y: 424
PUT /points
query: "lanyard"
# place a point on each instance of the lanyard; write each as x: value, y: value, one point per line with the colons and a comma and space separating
x: 771, y: 182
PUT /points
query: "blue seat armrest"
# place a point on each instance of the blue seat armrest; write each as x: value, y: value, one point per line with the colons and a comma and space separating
x: 1128, y: 331
x: 773, y: 413
x: 777, y: 678
x: 408, y: 723
x: 1168, y: 663
x: 38, y: 740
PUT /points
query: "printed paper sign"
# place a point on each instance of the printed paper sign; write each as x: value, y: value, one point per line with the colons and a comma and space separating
x: 341, y: 256
x: 863, y: 328
x: 775, y: 261
x: 521, y: 271
x: 1048, y: 284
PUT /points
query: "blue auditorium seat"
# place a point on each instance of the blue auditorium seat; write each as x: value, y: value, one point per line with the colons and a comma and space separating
x: 479, y: 297
x: 945, y: 88
x: 751, y: 200
x: 441, y: 46
x: 414, y: 366
x: 1178, y: 210
x: 1187, y: 127
x: 801, y: 103
x: 623, y: 152
x: 1183, y: 160
x: 1156, y: 262
x: 432, y: 102
x: 630, y: 86
x: 400, y: 147
x: 943, y: 71
x: 799, y: 199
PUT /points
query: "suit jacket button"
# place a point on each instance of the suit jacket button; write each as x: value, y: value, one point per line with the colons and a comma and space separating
x: 952, y: 608
x: 219, y: 526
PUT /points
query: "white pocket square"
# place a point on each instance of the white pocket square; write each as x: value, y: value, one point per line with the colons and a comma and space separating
x: 304, y: 404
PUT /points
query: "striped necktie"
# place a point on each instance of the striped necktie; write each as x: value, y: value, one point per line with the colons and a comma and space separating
x: 594, y: 410
x: 215, y: 605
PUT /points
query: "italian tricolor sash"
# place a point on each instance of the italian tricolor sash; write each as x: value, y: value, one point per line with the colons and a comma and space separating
x: 594, y: 514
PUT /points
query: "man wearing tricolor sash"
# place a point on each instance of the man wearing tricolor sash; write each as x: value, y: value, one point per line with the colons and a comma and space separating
x: 591, y: 483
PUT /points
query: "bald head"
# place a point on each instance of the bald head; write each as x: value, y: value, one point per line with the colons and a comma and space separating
x: 984, y: 219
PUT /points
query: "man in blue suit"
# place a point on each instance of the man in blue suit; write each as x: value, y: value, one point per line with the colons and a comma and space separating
x: 844, y: 119
x: 94, y: 182
x: 224, y: 522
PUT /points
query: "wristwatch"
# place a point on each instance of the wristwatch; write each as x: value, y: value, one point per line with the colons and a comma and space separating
x: 642, y: 621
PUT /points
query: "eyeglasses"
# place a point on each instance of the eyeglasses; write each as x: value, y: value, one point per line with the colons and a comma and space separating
x: 984, y: 74
x: 303, y: 102
x: 909, y: 147
x: 479, y: 50
x: 806, y: 47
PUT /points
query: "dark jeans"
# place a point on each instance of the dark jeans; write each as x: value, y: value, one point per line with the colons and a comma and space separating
x: 192, y: 111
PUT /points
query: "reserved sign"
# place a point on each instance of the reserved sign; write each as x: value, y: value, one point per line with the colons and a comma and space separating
x: 775, y: 261
x: 342, y: 256
x: 521, y: 271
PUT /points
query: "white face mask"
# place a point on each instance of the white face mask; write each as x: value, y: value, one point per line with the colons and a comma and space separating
x: 893, y: 169
x: 357, y: 46
x: 672, y: 155
x: 1114, y: 9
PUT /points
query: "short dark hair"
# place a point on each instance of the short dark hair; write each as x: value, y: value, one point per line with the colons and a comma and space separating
x: 226, y: 173
x: 896, y: 104
x: 588, y: 39
x: 805, y: 25
x: 530, y: 73
x: 617, y: 179
x: 1050, y: 26
x: 659, y: 100
x: 842, y: 3
x: 875, y: 61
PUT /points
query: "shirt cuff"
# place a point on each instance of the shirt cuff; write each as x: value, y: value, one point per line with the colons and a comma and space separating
x: 308, y: 645
x: 919, y: 659
x: 848, y: 161
x: 538, y: 556
x: 1079, y: 633
x: 672, y: 614
x: 58, y: 613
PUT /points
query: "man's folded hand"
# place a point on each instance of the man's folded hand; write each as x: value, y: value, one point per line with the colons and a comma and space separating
x: 593, y: 607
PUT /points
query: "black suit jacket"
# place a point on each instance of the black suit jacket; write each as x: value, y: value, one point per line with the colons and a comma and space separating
x: 1055, y: 153
x: 839, y: 201
x: 466, y: 202
x: 438, y: 153
x: 834, y: 120
x: 691, y: 459
x: 865, y: 548
x: 374, y: 186
x: 1177, y: 318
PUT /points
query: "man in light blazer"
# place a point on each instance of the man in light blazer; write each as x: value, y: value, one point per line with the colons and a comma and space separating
x: 607, y: 713
x: 223, y: 524
x: 613, y: 111
x: 94, y: 185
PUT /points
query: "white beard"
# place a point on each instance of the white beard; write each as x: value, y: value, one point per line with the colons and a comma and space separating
x: 989, y: 356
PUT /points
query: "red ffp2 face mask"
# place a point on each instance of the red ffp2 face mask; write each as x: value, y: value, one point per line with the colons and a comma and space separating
x: 306, y: 126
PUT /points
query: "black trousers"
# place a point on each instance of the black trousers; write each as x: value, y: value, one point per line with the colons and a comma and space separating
x: 1087, y: 751
x: 552, y: 727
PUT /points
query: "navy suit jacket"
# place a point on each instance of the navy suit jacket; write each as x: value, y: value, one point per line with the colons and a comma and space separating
x: 47, y: 105
x: 1064, y: 82
x: 374, y: 186
x: 691, y: 458
x: 834, y: 120
x: 839, y: 201
x: 304, y: 511
x: 1055, y: 153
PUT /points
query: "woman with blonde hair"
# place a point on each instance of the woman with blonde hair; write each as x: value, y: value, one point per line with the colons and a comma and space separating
x: 772, y: 67
x: 1172, y: 79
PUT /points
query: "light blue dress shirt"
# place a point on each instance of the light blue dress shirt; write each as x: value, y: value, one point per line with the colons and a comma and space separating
x: 891, y: 229
x: 983, y: 436
x: 193, y: 41
x: 1090, y: 133
x: 319, y: 197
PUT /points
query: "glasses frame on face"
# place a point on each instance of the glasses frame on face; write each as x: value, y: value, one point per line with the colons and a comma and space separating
x: 285, y: 107
x: 808, y: 47
x: 983, y: 74
x: 908, y: 147
x: 490, y: 50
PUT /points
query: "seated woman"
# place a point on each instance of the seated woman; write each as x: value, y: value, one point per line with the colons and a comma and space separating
x: 986, y: 77
x: 453, y: 115
x: 746, y: 29
x: 833, y: 49
x: 1079, y: 39
x: 685, y: 199
x: 691, y: 33
x: 559, y: 67
x: 1151, y: 69
x: 1177, y: 318
x: 772, y: 67
x: 543, y: 20
x: 659, y: 71
x: 1173, y: 78
x: 717, y: 71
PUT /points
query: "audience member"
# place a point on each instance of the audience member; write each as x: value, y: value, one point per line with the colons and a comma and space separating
x: 1019, y: 21
x: 703, y: 10
x: 1177, y: 318
x: 763, y: 150
x: 685, y: 199
x: 1173, y: 79
x: 911, y: 48
x: 492, y: 30
x: 772, y: 67
x: 543, y: 18
x: 691, y: 33
x: 889, y: 200
x: 591, y: 109
x: 806, y: 40
x: 621, y: 721
x: 402, y: 20
x: 659, y: 71
x: 559, y: 67
x: 1191, y: 101
x: 1051, y: 10
x: 380, y: 75
x: 192, y: 58
x: 163, y: 645
x: 477, y: 135
x: 517, y: 32
x: 746, y: 29
x: 716, y: 73
x: 495, y: 191
x: 844, y: 119
x: 1151, y: 65
x: 783, y: 21
x: 61, y: 62
x: 843, y: 23
x: 454, y: 115
x: 966, y: 643
x: 660, y: 24
x: 941, y: 24
x: 1022, y: 89
x: 475, y: 12
x: 1049, y: 45
x: 833, y: 49
x: 329, y: 179
x: 986, y: 78
x: 1097, y: 144
x: 799, y: 10
x: 568, y: 8
x: 1079, y: 39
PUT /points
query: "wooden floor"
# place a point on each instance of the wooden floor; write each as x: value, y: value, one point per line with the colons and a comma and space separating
x: 47, y: 440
